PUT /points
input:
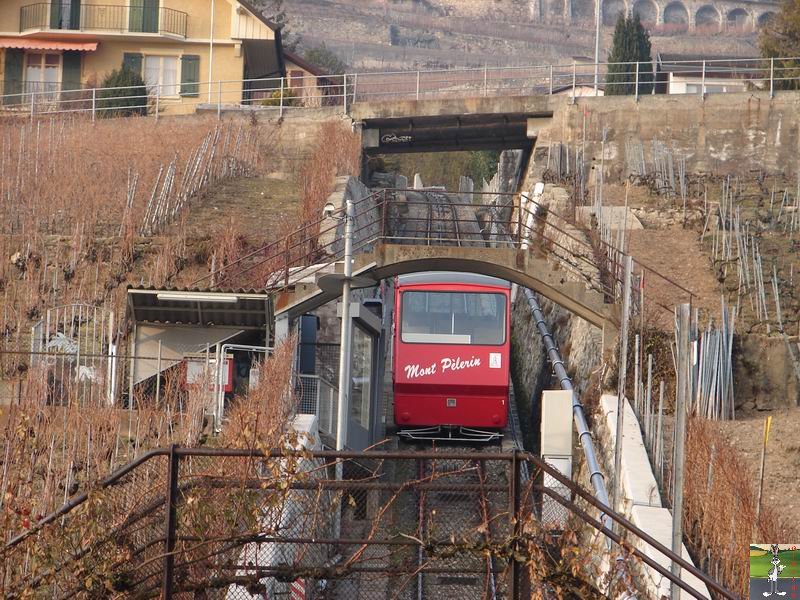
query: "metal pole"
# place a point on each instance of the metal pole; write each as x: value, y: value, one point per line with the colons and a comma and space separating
x: 94, y: 104
x: 219, y: 99
x: 157, y: 103
x: 281, y: 100
x: 597, y: 16
x: 33, y: 95
x: 158, y: 376
x: 637, y: 81
x: 684, y: 312
x: 551, y: 80
x: 417, y: 85
x: 344, y: 87
x: 170, y: 524
x: 344, y: 348
x: 767, y: 424
x: 574, y: 77
x: 771, y: 77
x: 485, y: 80
x: 355, y: 86
x: 703, y: 85
x: 623, y: 367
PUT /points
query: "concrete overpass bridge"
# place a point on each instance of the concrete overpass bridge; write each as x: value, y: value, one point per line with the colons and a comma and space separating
x: 527, y: 246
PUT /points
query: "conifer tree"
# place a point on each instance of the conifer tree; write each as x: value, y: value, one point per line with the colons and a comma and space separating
x: 631, y: 45
x: 779, y: 38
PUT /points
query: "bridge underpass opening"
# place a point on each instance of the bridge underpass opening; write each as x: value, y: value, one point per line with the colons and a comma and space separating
x: 445, y: 133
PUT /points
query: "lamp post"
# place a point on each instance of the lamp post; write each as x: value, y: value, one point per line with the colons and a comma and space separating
x: 597, y: 16
x: 344, y: 349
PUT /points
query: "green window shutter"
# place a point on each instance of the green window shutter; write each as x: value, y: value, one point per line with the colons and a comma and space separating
x: 55, y: 15
x: 71, y: 71
x: 132, y: 61
x: 190, y: 75
x: 12, y: 82
x: 135, y: 21
x: 75, y: 14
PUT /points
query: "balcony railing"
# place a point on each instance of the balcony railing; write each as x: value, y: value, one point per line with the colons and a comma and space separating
x: 103, y: 17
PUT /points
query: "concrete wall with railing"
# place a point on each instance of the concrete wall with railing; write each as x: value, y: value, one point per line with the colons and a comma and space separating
x: 641, y: 500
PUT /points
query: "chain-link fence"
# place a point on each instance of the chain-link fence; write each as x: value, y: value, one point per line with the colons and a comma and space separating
x: 239, y: 524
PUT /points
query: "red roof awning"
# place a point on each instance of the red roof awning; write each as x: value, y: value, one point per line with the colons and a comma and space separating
x: 34, y: 44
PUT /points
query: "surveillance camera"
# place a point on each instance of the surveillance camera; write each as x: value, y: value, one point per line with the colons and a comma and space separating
x: 328, y: 210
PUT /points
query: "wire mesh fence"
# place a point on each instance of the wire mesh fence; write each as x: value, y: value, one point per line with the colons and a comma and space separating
x: 697, y: 77
x: 241, y: 524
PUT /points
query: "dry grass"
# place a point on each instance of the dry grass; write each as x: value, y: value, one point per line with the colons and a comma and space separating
x: 720, y: 508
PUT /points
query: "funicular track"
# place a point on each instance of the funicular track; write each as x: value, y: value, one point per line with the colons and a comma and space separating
x: 464, y: 514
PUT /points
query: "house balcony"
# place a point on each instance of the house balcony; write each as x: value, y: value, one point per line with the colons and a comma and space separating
x: 102, y: 19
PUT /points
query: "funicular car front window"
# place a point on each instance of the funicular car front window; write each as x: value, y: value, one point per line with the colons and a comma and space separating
x: 453, y: 318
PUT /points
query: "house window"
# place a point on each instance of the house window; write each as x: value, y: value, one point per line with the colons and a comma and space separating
x: 296, y: 79
x: 161, y: 72
x: 42, y: 72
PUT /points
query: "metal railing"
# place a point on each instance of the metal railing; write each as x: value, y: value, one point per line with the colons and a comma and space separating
x: 397, y: 216
x: 318, y: 396
x: 103, y: 17
x: 180, y: 520
x: 697, y: 77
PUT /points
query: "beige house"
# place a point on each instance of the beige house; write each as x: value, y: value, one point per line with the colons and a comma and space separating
x: 187, y: 51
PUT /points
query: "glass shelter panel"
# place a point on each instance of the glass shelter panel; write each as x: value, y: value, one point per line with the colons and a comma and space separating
x: 453, y: 318
x: 361, y: 356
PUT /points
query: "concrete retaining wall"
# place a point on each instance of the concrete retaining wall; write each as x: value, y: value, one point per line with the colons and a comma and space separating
x: 641, y: 498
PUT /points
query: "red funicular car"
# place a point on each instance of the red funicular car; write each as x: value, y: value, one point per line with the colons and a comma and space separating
x: 451, y: 356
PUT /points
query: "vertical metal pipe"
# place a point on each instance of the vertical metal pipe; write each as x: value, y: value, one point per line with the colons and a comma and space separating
x: 170, y: 524
x: 680, y: 439
x: 551, y: 80
x: 281, y: 100
x: 158, y: 377
x: 417, y: 85
x: 637, y: 81
x: 597, y: 17
x: 574, y: 77
x: 219, y: 100
x: 94, y: 104
x: 623, y: 367
x: 703, y: 84
x: 771, y: 77
x: 344, y: 348
x: 344, y: 92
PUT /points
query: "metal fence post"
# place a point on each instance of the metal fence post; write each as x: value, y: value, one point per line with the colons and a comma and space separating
x: 551, y: 80
x: 684, y: 322
x: 157, y: 102
x: 417, y: 85
x: 281, y: 100
x: 637, y: 81
x: 574, y: 77
x: 33, y: 105
x: 515, y: 523
x: 355, y: 86
x: 219, y: 99
x: 344, y: 88
x: 94, y: 104
x: 170, y: 523
x: 703, y: 84
x: 485, y: 80
x: 771, y: 77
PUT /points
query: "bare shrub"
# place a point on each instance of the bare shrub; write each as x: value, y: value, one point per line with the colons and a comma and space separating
x: 719, y: 515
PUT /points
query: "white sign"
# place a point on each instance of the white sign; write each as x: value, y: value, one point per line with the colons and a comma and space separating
x: 495, y: 360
